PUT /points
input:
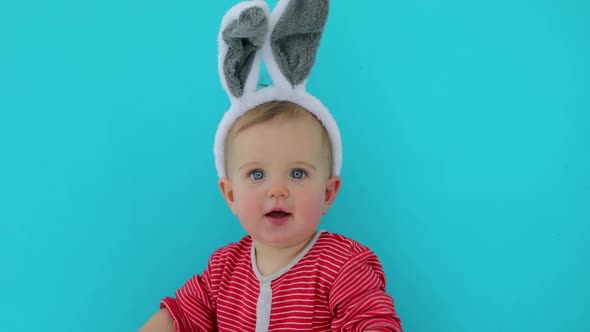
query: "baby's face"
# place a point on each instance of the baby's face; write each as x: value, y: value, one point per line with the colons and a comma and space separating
x: 279, y: 180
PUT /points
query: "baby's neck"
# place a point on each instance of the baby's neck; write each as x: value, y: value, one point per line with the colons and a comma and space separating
x: 271, y: 260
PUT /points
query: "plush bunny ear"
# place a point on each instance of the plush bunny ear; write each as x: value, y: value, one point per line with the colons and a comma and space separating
x: 243, y: 31
x: 297, y: 27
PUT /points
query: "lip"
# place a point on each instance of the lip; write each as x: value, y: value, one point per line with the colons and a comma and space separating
x: 278, y: 209
x: 277, y: 221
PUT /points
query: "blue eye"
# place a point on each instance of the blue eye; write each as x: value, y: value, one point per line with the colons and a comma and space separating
x: 256, y: 174
x: 298, y: 173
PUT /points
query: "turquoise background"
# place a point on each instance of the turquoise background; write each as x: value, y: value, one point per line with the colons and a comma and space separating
x: 466, y: 132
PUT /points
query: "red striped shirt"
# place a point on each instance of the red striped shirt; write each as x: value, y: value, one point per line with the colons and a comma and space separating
x: 338, y: 285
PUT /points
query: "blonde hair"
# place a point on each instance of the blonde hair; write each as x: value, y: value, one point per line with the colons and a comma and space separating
x: 275, y: 110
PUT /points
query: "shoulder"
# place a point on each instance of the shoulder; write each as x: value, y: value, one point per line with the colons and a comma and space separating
x: 340, y: 250
x: 340, y: 244
x: 232, y: 253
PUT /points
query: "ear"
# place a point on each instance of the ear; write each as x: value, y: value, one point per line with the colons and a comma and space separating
x: 243, y: 31
x: 297, y: 27
x: 226, y: 187
x: 332, y: 187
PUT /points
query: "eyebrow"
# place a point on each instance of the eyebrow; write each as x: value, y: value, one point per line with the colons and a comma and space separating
x: 295, y: 162
x: 306, y: 164
x: 247, y: 164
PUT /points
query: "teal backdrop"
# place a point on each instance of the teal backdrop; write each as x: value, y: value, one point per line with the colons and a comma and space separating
x: 466, y: 132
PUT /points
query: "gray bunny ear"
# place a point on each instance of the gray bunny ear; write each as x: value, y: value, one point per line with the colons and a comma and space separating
x: 296, y: 36
x: 240, y: 39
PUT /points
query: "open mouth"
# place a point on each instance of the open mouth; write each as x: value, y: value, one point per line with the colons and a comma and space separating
x: 277, y: 214
x: 278, y: 217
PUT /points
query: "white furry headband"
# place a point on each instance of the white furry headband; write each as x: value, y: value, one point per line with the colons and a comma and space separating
x: 287, y: 40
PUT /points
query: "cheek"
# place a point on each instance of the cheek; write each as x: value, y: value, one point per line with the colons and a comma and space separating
x: 311, y: 205
x: 248, y: 204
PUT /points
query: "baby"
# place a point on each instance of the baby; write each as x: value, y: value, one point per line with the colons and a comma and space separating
x: 278, y: 157
x: 285, y: 275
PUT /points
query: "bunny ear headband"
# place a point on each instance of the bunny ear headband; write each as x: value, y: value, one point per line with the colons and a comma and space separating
x: 287, y: 40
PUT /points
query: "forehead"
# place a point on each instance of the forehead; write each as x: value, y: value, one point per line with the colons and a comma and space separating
x: 279, y: 138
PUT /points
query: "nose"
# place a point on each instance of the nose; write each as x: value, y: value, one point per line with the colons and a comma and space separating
x: 277, y: 189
